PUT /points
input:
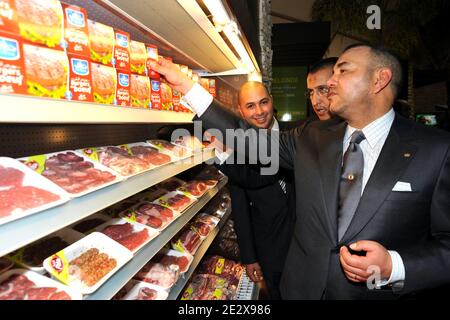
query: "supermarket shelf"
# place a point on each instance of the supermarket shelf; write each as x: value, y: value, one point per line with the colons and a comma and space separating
x: 21, y: 232
x: 118, y: 280
x: 178, y: 287
x: 27, y: 109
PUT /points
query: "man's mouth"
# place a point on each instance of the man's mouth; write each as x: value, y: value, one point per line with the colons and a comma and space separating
x: 321, y: 110
x: 331, y: 94
x: 260, y: 120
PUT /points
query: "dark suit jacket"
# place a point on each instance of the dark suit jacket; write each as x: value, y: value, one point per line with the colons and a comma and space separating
x: 415, y: 224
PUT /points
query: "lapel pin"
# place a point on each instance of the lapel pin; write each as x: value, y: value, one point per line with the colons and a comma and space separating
x: 407, y: 155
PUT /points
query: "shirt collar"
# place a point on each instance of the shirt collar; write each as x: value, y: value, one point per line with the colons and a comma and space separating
x: 375, y: 130
x: 275, y: 125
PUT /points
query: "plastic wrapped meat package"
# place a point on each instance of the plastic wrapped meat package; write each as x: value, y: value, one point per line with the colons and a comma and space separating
x: 209, y: 287
x: 24, y: 192
x: 226, y: 268
x: 208, y: 219
x: 159, y: 274
x: 75, y: 173
x: 210, y: 173
x: 175, y: 201
x: 178, y: 152
x: 197, y: 188
x: 150, y: 214
x: 168, y: 257
x: 147, y: 153
x: 188, y: 240
x: 171, y: 184
x: 131, y: 235
x: 141, y: 290
x: 203, y: 229
x: 21, y: 284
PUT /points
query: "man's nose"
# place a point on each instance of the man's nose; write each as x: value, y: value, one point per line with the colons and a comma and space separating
x: 259, y: 110
x: 332, y: 81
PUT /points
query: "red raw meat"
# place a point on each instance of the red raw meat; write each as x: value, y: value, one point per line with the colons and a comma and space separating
x: 182, y: 261
x: 120, y: 161
x: 40, y: 293
x: 83, y: 165
x: 61, y: 295
x: 69, y: 157
x: 190, y: 240
x: 123, y: 233
x: 10, y: 177
x: 178, y: 201
x: 155, y: 210
x: 202, y: 229
x: 118, y: 231
x: 147, y: 294
x: 151, y: 221
x: 134, y: 240
x: 196, y: 188
x: 156, y: 273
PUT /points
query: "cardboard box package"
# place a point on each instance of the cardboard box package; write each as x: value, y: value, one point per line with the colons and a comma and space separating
x: 123, y: 97
x: 80, y: 79
x: 138, y: 57
x: 104, y: 82
x: 122, y: 50
x: 140, y: 91
x: 12, y: 68
x: 101, y: 41
x: 76, y: 33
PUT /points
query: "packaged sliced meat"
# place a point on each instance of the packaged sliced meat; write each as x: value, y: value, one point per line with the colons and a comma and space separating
x: 12, y: 68
x: 208, y: 219
x: 203, y: 229
x: 117, y: 159
x: 86, y: 264
x: 197, y: 188
x: 188, y: 240
x: 169, y: 148
x: 21, y: 284
x: 210, y: 173
x: 132, y: 236
x: 122, y: 50
x: 171, y: 184
x: 76, y: 34
x: 209, y: 287
x: 159, y: 274
x: 40, y: 21
x: 149, y: 214
x: 148, y: 153
x: 229, y: 269
x: 141, y: 290
x: 88, y: 224
x: 138, y: 57
x: 168, y: 257
x: 104, y: 83
x: 33, y: 255
x: 189, y: 142
x: 72, y: 171
x: 5, y: 265
x: 101, y: 42
x: 175, y: 201
x: 24, y: 192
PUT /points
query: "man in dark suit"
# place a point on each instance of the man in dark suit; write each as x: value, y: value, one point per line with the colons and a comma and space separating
x: 263, y: 207
x: 393, y: 238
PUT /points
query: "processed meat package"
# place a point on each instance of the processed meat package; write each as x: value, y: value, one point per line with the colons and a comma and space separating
x: 123, y: 97
x: 80, y: 79
x: 159, y: 274
x: 122, y: 50
x: 12, y: 68
x: 104, y: 81
x: 149, y: 214
x: 146, y: 152
x: 209, y: 287
x: 176, y: 201
x: 76, y: 34
x: 140, y: 91
x: 168, y: 257
x: 187, y: 241
x: 101, y: 41
x: 166, y: 96
x: 217, y: 265
x: 155, y: 94
x: 152, y: 55
x: 8, y: 17
x: 138, y: 57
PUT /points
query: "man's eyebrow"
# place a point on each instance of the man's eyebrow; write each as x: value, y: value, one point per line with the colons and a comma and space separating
x: 340, y: 64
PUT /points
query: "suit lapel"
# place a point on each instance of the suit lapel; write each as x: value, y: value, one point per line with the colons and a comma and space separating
x: 390, y: 165
x: 330, y: 160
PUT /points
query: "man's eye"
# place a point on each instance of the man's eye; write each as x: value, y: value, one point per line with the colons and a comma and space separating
x: 250, y: 106
x: 342, y: 71
x: 264, y: 102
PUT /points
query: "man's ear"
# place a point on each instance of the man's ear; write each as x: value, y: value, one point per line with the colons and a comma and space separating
x: 240, y: 112
x: 383, y: 77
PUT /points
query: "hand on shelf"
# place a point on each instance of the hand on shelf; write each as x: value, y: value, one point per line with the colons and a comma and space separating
x: 175, y: 78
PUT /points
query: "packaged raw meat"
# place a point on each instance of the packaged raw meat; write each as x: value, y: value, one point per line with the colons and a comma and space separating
x: 159, y: 274
x: 104, y: 83
x: 40, y: 21
x: 190, y: 142
x: 72, y: 171
x: 197, y: 188
x: 12, y: 68
x: 148, y: 153
x: 149, y: 214
x: 209, y: 287
x: 122, y: 50
x: 32, y: 256
x: 76, y: 34
x: 145, y: 291
x: 88, y: 224
x: 46, y: 71
x: 229, y: 269
x: 5, y: 265
x: 210, y: 173
x: 167, y: 257
x: 21, y: 284
x: 131, y: 235
x: 171, y: 184
x: 140, y: 91
x: 203, y: 229
x: 188, y: 240
x: 138, y: 57
x: 80, y: 79
x: 169, y: 148
x: 155, y: 94
x: 123, y: 97
x: 208, y: 219
x: 24, y: 192
x: 175, y: 201
x: 88, y: 263
x: 101, y: 41
x: 117, y: 159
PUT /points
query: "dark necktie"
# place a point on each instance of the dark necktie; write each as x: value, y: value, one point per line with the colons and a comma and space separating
x: 350, y: 184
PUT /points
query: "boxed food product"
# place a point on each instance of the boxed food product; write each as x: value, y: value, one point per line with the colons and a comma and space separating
x: 176, y: 152
x: 140, y: 91
x: 8, y: 17
x: 101, y: 41
x: 5, y: 265
x: 149, y: 214
x: 155, y: 94
x: 149, y: 154
x: 21, y: 284
x: 76, y: 34
x: 159, y: 274
x: 209, y: 287
x: 88, y: 263
x: 122, y: 50
x: 152, y: 55
x: 89, y: 224
x: 104, y: 81
x: 24, y: 192
x: 12, y: 68
x: 166, y: 96
x: 168, y: 257
x: 176, y: 201
x: 184, y: 69
x: 187, y: 240
x: 131, y: 235
x: 141, y: 290
x: 32, y: 256
x: 176, y: 97
x: 72, y: 171
x: 204, y: 82
x: 197, y: 188
x: 40, y: 21
x: 117, y: 159
x: 80, y: 79
x: 46, y: 71
x: 123, y: 97
x: 138, y: 58
x: 171, y: 184
x: 212, y: 87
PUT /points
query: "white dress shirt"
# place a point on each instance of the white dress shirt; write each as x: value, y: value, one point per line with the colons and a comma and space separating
x: 198, y: 100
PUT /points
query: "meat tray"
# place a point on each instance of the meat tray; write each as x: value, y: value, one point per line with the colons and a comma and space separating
x: 148, y: 153
x: 150, y: 214
x: 176, y: 201
x: 134, y: 292
x: 175, y: 151
x: 171, y: 184
x: 197, y: 188
x: 174, y: 253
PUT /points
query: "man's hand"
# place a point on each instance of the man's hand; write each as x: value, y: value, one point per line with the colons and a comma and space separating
x: 175, y: 78
x: 356, y: 267
x: 254, y: 272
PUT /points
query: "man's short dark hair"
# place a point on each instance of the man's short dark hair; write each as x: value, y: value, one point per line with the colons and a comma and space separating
x: 382, y: 58
x: 322, y: 64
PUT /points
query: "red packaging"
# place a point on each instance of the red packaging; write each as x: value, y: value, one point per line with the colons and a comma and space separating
x: 41, y: 22
x: 47, y: 71
x: 140, y: 91
x: 104, y: 82
x: 12, y: 68
x: 101, y: 42
x: 8, y: 17
x: 138, y: 57
x: 166, y: 96
x: 152, y: 55
x: 123, y: 97
x: 80, y: 79
x: 76, y: 30
x: 155, y: 94
x: 212, y: 87
x: 122, y: 50
x: 205, y: 83
x: 176, y: 97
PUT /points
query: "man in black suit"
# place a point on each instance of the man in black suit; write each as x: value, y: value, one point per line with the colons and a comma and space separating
x: 394, y: 239
x: 263, y: 207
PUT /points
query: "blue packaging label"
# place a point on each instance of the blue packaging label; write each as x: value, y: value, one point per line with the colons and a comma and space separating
x: 80, y: 67
x: 9, y: 49
x: 122, y: 40
x: 124, y: 80
x: 75, y: 18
